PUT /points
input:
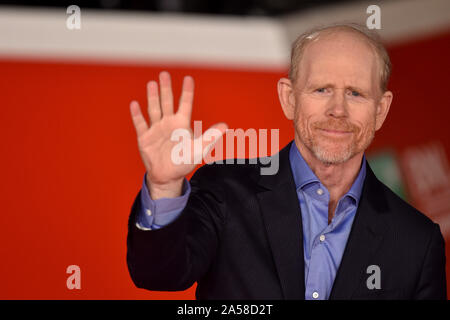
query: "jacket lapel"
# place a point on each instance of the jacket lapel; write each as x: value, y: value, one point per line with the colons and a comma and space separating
x: 282, y: 218
x: 366, y: 235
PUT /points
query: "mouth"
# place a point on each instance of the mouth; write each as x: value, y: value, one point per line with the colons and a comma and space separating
x: 334, y: 132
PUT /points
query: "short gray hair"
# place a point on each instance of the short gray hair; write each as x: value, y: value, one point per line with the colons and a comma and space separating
x: 373, y: 38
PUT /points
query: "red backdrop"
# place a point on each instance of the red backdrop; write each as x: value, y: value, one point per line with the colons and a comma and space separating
x: 71, y: 168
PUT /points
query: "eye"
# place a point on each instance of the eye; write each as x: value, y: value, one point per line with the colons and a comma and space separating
x: 321, y: 90
x: 355, y: 93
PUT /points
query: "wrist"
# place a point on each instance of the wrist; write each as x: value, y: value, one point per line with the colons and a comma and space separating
x: 171, y: 189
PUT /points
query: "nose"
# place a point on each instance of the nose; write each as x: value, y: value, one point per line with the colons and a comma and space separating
x: 337, y: 107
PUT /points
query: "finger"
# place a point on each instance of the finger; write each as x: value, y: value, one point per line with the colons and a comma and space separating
x: 154, y: 107
x: 138, y: 119
x: 166, y: 93
x: 187, y: 97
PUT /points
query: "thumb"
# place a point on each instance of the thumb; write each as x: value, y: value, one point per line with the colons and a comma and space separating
x: 211, y: 136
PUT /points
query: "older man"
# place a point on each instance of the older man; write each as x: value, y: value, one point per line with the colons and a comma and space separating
x: 322, y: 227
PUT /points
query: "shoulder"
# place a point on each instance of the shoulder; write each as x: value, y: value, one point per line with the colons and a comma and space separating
x: 246, y: 172
x: 406, y: 219
x: 229, y: 172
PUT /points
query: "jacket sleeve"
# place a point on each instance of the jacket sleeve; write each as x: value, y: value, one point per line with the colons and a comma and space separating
x: 177, y: 255
x: 432, y: 283
x: 155, y: 214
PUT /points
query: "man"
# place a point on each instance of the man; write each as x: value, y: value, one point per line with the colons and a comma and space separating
x: 322, y: 227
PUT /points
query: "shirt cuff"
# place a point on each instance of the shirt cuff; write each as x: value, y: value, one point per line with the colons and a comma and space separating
x: 155, y: 214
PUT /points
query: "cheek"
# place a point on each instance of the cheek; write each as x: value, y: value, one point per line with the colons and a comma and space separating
x: 371, y: 120
x: 366, y: 129
x: 362, y: 118
x: 303, y: 121
x: 306, y: 111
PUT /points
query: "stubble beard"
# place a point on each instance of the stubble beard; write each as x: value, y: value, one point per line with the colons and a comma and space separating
x: 332, y: 151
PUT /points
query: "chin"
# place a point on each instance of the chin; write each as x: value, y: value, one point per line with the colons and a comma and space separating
x: 332, y: 155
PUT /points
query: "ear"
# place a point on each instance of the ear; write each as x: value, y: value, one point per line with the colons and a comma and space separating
x: 286, y: 96
x: 383, y: 109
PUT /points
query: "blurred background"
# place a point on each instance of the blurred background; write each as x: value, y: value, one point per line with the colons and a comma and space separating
x: 220, y: 7
x: 70, y: 166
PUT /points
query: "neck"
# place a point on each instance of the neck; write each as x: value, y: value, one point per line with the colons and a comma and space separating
x: 337, y: 178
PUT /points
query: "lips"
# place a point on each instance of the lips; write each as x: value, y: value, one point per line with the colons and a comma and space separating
x: 334, y: 133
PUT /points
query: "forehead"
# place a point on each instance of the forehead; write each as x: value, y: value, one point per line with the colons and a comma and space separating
x: 341, y: 58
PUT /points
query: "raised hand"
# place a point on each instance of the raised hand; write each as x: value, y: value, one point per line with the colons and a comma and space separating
x: 164, y: 176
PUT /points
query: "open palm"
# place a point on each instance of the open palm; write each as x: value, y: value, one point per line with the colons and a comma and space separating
x: 154, y: 141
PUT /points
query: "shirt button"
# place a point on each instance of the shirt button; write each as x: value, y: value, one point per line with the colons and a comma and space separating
x: 319, y: 192
x: 322, y: 238
x: 315, y: 295
x: 141, y: 227
x: 148, y: 212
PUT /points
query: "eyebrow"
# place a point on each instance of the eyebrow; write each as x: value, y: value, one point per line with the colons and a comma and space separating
x: 327, y: 85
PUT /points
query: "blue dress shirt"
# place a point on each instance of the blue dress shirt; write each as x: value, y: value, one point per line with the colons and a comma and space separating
x: 323, y: 243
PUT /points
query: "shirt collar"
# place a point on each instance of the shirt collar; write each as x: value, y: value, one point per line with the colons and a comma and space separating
x: 303, y: 174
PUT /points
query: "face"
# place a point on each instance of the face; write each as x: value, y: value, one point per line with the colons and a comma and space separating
x: 336, y: 101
